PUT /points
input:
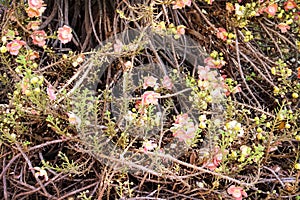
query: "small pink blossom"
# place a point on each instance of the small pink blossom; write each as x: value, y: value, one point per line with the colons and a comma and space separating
x: 283, y: 27
x: 161, y: 26
x: 182, y: 119
x: 150, y: 81
x: 236, y: 89
x: 167, y: 83
x: 237, y: 192
x: 216, y: 160
x: 183, y: 128
x: 33, y: 55
x: 128, y: 65
x: 290, y: 4
x: 186, y: 132
x: 297, y: 16
x: 24, y: 85
x: 14, y: 46
x: 150, y: 97
x: 233, y: 90
x: 187, y: 2
x: 33, y: 25
x: 180, y: 30
x: 149, y: 145
x: 272, y: 9
x: 245, y: 150
x: 274, y: 146
x: 35, y: 12
x: 138, y: 104
x: 210, y: 2
x: 203, y: 84
x: 34, y: 112
x: 203, y: 72
x: 178, y: 4
x: 74, y: 119
x: 229, y: 7
x: 64, y: 34
x: 50, y: 92
x: 212, y: 63
x: 36, y: 3
x: 222, y: 34
x: 209, y: 62
x: 39, y: 38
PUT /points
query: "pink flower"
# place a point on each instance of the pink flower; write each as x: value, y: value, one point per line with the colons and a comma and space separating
x: 36, y: 3
x: 229, y: 7
x: 222, y: 34
x: 14, y: 46
x: 187, y: 2
x: 178, y: 4
x: 33, y: 55
x: 290, y: 4
x: 138, y: 104
x: 74, y: 119
x: 33, y: 25
x: 183, y: 128
x: 272, y: 9
x: 181, y: 135
x: 161, y: 26
x: 128, y: 65
x: 167, y: 83
x: 24, y: 85
x: 283, y: 27
x: 64, y: 34
x: 236, y: 89
x: 180, y: 30
x: 150, y: 81
x: 216, y: 160
x: 150, y: 97
x: 39, y: 38
x: 149, y: 145
x: 203, y: 72
x: 212, y: 63
x: 203, y: 84
x: 237, y: 192
x: 50, y: 92
x: 245, y: 150
x: 35, y: 12
x: 186, y: 132
x: 209, y: 62
x: 182, y: 119
x: 297, y: 16
x: 210, y: 2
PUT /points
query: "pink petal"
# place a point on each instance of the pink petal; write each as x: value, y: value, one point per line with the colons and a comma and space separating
x: 50, y: 92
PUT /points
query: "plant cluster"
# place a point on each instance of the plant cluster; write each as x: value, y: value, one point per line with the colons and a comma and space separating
x: 238, y: 138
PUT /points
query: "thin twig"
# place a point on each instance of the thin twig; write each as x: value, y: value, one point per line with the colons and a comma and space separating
x: 240, y: 69
x: 274, y: 173
x: 32, y: 171
x: 269, y: 34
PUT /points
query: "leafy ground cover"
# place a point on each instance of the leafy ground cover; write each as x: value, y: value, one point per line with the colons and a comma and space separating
x: 71, y: 83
